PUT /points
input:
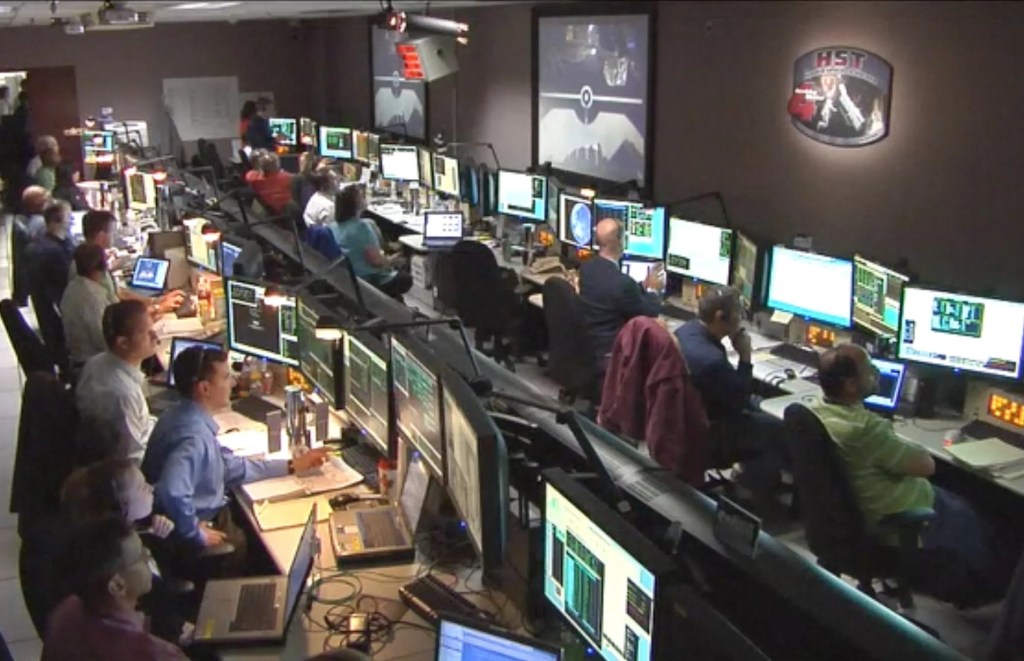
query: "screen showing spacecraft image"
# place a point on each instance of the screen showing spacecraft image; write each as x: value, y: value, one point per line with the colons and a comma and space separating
x: 397, y: 101
x: 592, y: 94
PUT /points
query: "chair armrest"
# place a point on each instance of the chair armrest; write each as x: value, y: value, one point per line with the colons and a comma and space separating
x: 917, y: 517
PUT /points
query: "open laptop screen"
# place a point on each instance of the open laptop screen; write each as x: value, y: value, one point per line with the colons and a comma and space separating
x: 414, y: 491
x: 151, y: 273
x: 890, y: 382
x: 301, y: 565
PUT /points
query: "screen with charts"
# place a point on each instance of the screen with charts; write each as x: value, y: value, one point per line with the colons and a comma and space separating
x: 259, y: 325
x: 810, y: 285
x: 285, y: 131
x: 700, y: 251
x: 446, y: 176
x: 877, y: 292
x: 417, y: 406
x: 744, y: 268
x: 150, y: 273
x: 523, y: 195
x: 463, y: 468
x: 366, y: 390
x: 645, y: 232
x: 606, y: 593
x: 229, y: 252
x: 399, y: 162
x: 592, y: 94
x: 460, y: 641
x: 336, y: 142
x: 575, y: 220
x: 442, y: 228
x: 316, y: 357
x: 983, y: 335
x: 398, y: 102
x: 198, y: 250
x: 141, y: 191
x: 426, y: 167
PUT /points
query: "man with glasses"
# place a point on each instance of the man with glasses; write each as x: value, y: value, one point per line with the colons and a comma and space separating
x: 109, y: 394
x: 188, y: 467
x: 109, y: 567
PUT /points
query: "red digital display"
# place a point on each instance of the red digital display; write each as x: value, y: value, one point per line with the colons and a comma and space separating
x: 412, y: 67
x: 1002, y: 407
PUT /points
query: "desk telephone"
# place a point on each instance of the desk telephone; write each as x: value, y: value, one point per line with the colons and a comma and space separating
x: 550, y: 264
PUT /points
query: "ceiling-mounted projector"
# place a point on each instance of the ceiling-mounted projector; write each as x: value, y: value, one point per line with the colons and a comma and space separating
x: 116, y: 16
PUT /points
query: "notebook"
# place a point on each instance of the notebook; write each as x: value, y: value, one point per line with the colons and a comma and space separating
x: 333, y: 475
x: 991, y: 455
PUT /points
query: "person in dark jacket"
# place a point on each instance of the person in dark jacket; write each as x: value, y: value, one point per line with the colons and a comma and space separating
x: 610, y: 297
x: 258, y: 134
x: 66, y: 187
x: 750, y: 436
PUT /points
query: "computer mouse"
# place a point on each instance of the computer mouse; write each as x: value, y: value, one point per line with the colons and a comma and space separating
x: 790, y: 374
x: 343, y: 500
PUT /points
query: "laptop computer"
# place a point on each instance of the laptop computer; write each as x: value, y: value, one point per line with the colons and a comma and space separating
x: 442, y: 229
x: 636, y: 268
x: 463, y: 639
x: 169, y: 396
x: 890, y: 386
x: 256, y: 610
x: 385, y: 533
x: 150, y: 276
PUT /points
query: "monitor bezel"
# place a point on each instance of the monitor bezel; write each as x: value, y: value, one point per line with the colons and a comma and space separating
x: 808, y: 317
x: 693, y: 278
x: 232, y: 346
x: 388, y: 446
x: 521, y: 217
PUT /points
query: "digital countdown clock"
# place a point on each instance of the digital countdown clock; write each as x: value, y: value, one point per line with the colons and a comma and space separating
x: 1006, y: 408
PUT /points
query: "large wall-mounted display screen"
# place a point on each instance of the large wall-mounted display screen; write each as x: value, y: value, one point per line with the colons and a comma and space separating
x: 593, y: 90
x: 396, y: 99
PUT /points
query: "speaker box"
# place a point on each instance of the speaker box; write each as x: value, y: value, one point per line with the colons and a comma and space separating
x: 321, y: 422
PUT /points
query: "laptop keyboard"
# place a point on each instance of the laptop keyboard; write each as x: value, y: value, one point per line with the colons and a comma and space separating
x: 379, y: 529
x: 255, y: 610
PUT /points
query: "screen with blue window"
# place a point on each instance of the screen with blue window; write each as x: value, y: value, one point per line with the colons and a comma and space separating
x: 645, y: 232
x: 817, y: 287
x: 284, y: 130
x: 523, y: 195
x: 229, y: 252
x: 605, y: 592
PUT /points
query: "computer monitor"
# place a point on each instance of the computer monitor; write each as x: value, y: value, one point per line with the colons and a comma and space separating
x: 575, y: 220
x: 373, y: 149
x: 616, y: 209
x: 75, y: 229
x: 426, y: 167
x: 150, y: 273
x: 460, y: 639
x: 603, y: 576
x: 361, y: 145
x: 229, y: 253
x: 261, y: 321
x: 318, y: 359
x: 284, y: 130
x: 890, y: 384
x: 744, y: 268
x: 877, y: 293
x: 471, y: 185
x: 817, y: 287
x: 97, y: 145
x: 523, y: 195
x: 476, y: 460
x: 399, y: 162
x: 442, y: 229
x: 367, y: 390
x: 141, y: 189
x: 179, y: 344
x: 418, y: 402
x: 447, y: 179
x: 638, y: 269
x: 645, y: 232
x: 307, y: 132
x: 699, y: 251
x: 199, y: 249
x: 336, y: 142
x: 961, y: 332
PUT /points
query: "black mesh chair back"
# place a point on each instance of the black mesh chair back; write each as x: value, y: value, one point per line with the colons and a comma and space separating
x: 571, y: 360
x: 32, y: 354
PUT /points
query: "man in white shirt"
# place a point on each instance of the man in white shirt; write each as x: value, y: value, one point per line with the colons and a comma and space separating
x: 33, y: 202
x: 43, y: 143
x: 320, y: 208
x: 83, y: 303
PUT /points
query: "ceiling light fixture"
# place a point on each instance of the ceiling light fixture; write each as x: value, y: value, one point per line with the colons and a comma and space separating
x: 206, y: 5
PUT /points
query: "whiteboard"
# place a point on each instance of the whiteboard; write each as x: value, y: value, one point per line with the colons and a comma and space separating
x: 203, y: 107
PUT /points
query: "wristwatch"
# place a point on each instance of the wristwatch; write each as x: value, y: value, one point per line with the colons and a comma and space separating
x: 291, y: 466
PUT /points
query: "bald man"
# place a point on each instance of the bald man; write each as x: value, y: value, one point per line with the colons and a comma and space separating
x: 33, y: 201
x: 610, y: 297
x: 889, y: 474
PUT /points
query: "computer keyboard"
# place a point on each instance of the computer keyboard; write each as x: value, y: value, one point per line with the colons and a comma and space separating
x: 979, y: 430
x: 379, y: 529
x: 428, y: 597
x: 363, y: 460
x: 793, y: 353
x: 254, y: 408
x: 255, y: 610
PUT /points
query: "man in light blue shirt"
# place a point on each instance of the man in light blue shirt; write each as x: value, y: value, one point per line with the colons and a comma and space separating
x: 184, y: 461
x: 357, y: 239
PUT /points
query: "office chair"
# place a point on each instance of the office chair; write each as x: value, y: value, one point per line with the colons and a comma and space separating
x: 32, y: 354
x: 51, y: 328
x: 485, y: 297
x: 836, y: 531
x: 572, y: 362
x: 19, y: 264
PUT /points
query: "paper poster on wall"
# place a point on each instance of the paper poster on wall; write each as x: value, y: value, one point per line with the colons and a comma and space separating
x: 203, y: 107
x: 397, y: 101
x: 256, y: 96
x: 841, y: 96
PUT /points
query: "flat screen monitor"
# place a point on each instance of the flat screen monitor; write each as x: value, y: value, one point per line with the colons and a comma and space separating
x: 961, y: 332
x: 699, y: 251
x: 890, y: 384
x: 229, y: 253
x: 638, y: 269
x: 467, y: 640
x: 523, y: 195
x: 179, y: 344
x: 141, y: 188
x: 575, y: 220
x: 284, y: 130
x: 307, y: 132
x: 97, y: 144
x: 150, y: 273
x: 318, y: 359
x: 426, y: 167
x: 442, y: 229
x: 817, y: 287
x: 367, y: 391
x: 261, y: 322
x: 447, y: 178
x: 418, y: 405
x: 361, y: 145
x: 198, y: 249
x: 744, y: 268
x: 603, y: 576
x: 399, y: 162
x: 645, y: 232
x: 373, y: 149
x: 616, y: 209
x: 877, y: 294
x: 336, y: 142
x: 477, y: 468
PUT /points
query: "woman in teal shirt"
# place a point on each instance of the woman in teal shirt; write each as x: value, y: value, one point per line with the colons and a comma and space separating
x: 359, y: 240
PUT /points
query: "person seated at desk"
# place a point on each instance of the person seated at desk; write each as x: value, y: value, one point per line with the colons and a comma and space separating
x: 51, y: 256
x: 358, y: 239
x: 738, y: 429
x: 110, y: 571
x: 890, y: 475
x: 610, y: 297
x: 109, y: 392
x: 33, y: 201
x: 272, y: 186
x: 188, y: 467
x: 83, y: 304
x: 46, y: 176
x: 66, y: 187
x: 319, y: 210
x: 42, y: 143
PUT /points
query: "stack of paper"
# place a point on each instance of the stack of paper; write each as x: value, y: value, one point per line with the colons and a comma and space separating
x: 990, y: 455
x: 335, y: 474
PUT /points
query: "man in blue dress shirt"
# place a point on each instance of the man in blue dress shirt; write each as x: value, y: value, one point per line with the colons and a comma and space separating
x: 188, y: 467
